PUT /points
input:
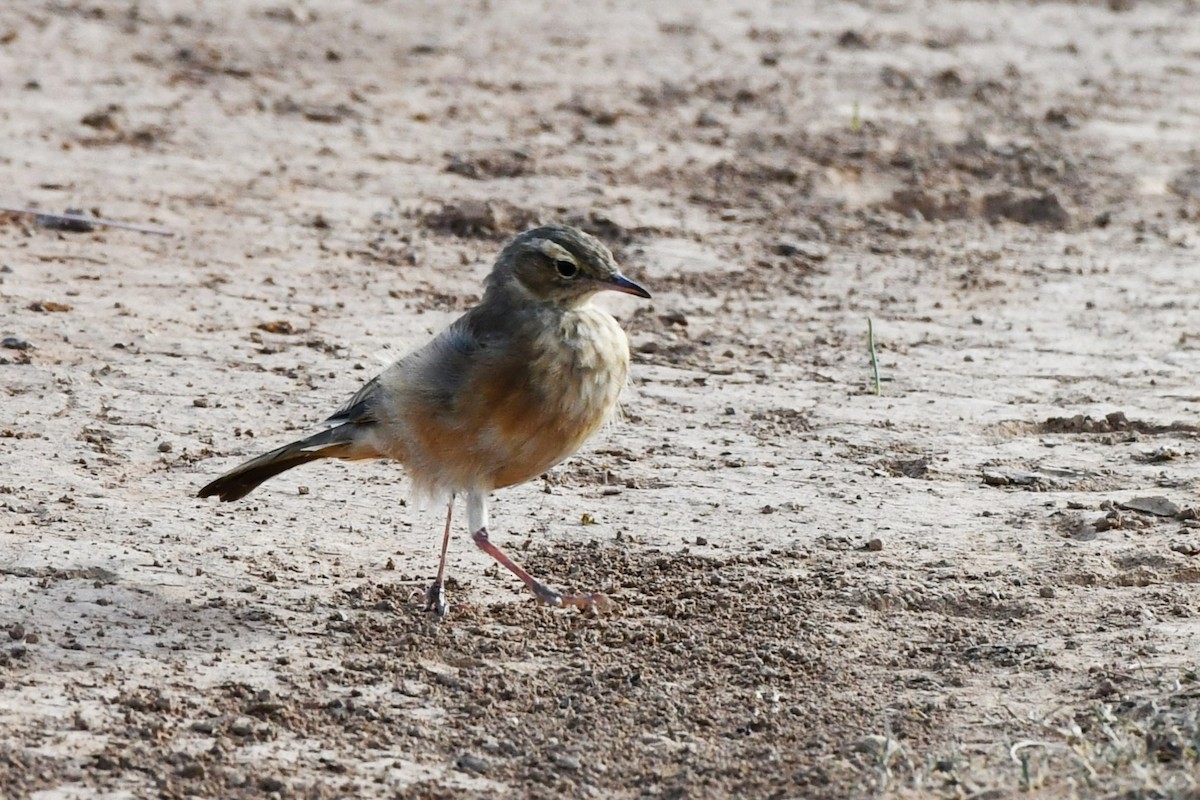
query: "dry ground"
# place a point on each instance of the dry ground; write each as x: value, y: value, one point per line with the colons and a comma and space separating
x: 962, y: 587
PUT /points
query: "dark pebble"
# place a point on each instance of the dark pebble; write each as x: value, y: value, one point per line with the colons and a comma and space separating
x: 469, y: 763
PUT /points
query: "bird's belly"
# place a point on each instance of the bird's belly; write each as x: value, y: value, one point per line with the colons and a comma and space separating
x: 526, y: 439
x: 570, y: 390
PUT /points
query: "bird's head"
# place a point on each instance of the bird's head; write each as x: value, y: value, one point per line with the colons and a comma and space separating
x: 559, y: 265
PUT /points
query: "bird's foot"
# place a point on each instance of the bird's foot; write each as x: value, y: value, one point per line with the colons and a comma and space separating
x: 593, y: 601
x: 435, y: 599
x: 551, y: 597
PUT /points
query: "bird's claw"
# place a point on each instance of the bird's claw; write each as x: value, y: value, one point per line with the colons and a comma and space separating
x: 435, y: 599
x: 594, y: 601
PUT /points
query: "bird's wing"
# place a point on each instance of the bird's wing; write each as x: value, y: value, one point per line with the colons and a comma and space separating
x: 438, y: 372
x: 435, y: 373
x: 359, y: 409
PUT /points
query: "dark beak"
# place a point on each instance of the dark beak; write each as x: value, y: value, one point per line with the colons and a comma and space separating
x: 619, y: 283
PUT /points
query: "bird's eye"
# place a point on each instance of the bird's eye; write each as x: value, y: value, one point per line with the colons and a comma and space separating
x: 567, y: 269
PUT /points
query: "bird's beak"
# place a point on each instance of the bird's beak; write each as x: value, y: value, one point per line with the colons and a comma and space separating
x: 619, y: 283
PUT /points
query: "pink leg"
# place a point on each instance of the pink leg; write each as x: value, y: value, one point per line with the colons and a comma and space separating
x: 435, y: 598
x: 543, y: 592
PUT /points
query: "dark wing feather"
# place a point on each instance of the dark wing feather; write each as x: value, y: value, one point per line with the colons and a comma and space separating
x: 436, y: 374
x: 359, y: 409
x: 437, y: 371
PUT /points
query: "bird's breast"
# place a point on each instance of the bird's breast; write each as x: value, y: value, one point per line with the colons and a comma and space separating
x: 522, y: 406
x: 581, y: 364
x: 568, y: 389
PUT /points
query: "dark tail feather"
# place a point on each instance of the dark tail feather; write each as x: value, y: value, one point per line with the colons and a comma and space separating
x: 245, y: 478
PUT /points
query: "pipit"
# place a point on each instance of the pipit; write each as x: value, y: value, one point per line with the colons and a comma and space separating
x: 510, y: 389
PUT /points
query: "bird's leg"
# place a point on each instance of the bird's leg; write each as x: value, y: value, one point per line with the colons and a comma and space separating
x: 435, y: 598
x: 477, y: 512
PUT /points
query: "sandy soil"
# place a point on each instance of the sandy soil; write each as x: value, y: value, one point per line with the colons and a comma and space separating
x: 963, y: 586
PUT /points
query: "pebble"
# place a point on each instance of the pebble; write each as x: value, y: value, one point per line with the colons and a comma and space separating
x: 242, y: 726
x: 567, y: 762
x: 13, y: 343
x: 875, y: 545
x: 1047, y: 592
x: 1156, y: 506
x: 16, y: 631
x: 471, y: 763
x: 270, y: 784
x: 814, y: 251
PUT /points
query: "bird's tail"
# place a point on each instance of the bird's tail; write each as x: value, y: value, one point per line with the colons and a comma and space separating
x: 339, y: 442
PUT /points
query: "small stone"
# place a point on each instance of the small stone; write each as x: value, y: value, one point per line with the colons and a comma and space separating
x: 13, y: 343
x: 567, y: 762
x: 813, y: 251
x: 16, y: 632
x: 164, y: 447
x: 200, y: 402
x: 1156, y: 506
x: 301, y: 490
x: 32, y: 638
x: 875, y: 545
x: 470, y: 763
x: 270, y: 784
x: 103, y: 119
x: 1047, y: 592
x: 242, y: 726
x: 701, y: 541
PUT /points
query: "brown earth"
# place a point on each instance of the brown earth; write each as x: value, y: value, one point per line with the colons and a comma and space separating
x: 980, y: 581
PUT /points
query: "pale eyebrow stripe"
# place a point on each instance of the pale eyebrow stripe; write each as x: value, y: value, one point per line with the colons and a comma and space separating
x: 556, y: 251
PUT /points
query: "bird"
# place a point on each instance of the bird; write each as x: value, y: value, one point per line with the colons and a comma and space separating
x: 511, y: 388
